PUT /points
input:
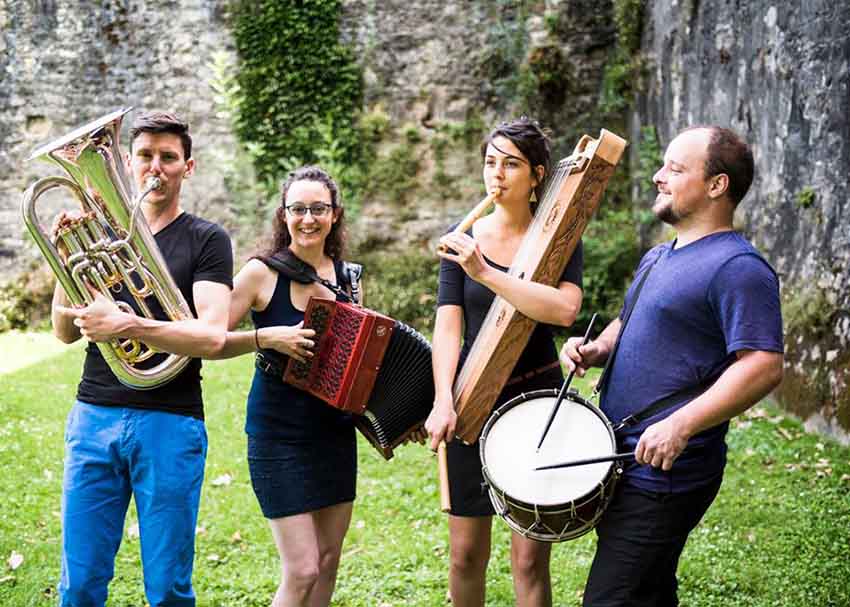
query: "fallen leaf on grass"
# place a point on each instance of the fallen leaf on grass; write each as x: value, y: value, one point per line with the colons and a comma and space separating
x: 845, y: 478
x: 213, y: 558
x: 235, y: 538
x: 785, y: 434
x: 16, y: 559
x: 222, y: 481
x: 133, y: 531
x: 7, y: 578
x: 755, y: 413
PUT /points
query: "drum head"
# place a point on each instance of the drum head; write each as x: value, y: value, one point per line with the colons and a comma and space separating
x: 509, y: 449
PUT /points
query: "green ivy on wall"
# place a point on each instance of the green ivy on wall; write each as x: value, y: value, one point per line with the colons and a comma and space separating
x: 623, y: 69
x: 296, y: 81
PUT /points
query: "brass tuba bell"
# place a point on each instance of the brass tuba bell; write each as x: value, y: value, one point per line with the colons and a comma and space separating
x: 110, y: 247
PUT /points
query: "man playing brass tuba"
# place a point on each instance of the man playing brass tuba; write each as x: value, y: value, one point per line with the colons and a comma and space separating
x: 150, y: 443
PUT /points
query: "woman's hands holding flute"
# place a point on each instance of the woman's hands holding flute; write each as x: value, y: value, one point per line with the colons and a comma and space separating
x: 463, y: 249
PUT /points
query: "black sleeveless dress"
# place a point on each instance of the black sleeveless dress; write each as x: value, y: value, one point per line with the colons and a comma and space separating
x: 302, y: 452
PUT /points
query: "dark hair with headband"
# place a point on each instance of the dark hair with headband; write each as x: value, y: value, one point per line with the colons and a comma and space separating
x: 529, y: 139
x: 335, y: 241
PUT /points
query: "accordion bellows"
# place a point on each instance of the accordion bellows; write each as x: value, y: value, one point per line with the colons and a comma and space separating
x: 370, y: 365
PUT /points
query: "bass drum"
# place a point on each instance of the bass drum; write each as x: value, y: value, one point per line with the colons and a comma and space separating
x: 548, y: 505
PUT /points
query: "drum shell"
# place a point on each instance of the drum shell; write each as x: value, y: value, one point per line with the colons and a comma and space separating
x: 552, y: 522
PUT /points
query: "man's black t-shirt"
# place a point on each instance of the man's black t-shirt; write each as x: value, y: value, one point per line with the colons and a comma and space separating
x: 194, y: 250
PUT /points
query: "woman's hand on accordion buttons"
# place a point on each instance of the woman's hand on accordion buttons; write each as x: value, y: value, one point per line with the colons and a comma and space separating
x: 293, y: 341
x: 463, y: 250
x: 441, y: 422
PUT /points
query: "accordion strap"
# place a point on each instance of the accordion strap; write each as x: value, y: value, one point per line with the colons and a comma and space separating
x: 295, y: 268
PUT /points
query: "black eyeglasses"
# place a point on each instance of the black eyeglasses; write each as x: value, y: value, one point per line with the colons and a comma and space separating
x: 319, y: 209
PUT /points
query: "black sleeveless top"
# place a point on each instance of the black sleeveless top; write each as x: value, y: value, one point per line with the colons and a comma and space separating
x: 276, y: 409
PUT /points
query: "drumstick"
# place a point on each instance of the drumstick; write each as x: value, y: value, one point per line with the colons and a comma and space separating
x: 606, y: 458
x: 564, y: 388
x: 443, y: 470
x: 590, y: 460
x: 474, y: 214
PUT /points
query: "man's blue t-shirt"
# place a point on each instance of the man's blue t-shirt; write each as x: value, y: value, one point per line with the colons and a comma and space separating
x: 700, y: 304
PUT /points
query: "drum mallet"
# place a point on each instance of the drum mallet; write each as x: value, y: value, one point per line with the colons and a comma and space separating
x: 616, y: 457
x: 564, y: 388
x: 590, y: 460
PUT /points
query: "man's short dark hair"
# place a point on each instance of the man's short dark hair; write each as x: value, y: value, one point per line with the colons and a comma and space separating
x: 729, y: 154
x: 162, y: 122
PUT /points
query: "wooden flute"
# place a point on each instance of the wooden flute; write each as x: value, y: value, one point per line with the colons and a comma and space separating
x: 474, y: 214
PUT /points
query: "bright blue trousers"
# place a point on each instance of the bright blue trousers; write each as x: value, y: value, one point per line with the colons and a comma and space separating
x: 112, y: 453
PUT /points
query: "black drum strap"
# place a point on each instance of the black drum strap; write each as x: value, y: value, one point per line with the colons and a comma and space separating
x: 606, y: 370
x: 660, y: 405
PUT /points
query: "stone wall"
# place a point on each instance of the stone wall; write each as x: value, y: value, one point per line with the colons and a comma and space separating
x: 66, y: 62
x: 430, y: 63
x: 779, y: 74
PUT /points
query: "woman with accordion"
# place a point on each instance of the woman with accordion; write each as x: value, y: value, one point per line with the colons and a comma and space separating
x: 473, y: 270
x: 301, y: 452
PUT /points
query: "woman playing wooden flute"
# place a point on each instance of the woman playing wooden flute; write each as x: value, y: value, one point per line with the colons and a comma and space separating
x: 473, y: 270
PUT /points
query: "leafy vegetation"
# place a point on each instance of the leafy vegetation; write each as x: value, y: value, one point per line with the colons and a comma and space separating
x: 623, y: 69
x: 295, y: 78
x: 778, y: 535
x: 805, y: 198
x: 25, y: 300
x: 402, y: 286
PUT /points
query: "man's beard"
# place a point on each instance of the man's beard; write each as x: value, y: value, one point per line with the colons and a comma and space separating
x: 664, y: 211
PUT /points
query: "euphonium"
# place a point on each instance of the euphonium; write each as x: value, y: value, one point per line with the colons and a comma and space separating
x: 110, y: 247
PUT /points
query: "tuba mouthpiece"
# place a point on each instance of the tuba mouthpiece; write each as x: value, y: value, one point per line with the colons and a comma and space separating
x: 153, y: 183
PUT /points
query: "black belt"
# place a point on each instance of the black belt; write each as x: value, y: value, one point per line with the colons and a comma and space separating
x: 269, y: 365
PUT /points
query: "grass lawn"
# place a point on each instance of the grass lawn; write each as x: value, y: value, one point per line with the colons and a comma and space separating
x: 778, y: 534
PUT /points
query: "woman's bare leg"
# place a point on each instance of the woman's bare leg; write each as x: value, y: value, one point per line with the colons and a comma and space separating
x: 296, y: 538
x: 469, y: 543
x: 530, y: 569
x: 332, y: 524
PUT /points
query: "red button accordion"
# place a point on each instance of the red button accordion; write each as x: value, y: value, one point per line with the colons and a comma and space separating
x: 370, y: 365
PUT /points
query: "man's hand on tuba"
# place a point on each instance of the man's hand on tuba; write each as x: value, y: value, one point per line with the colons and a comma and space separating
x: 101, y: 320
